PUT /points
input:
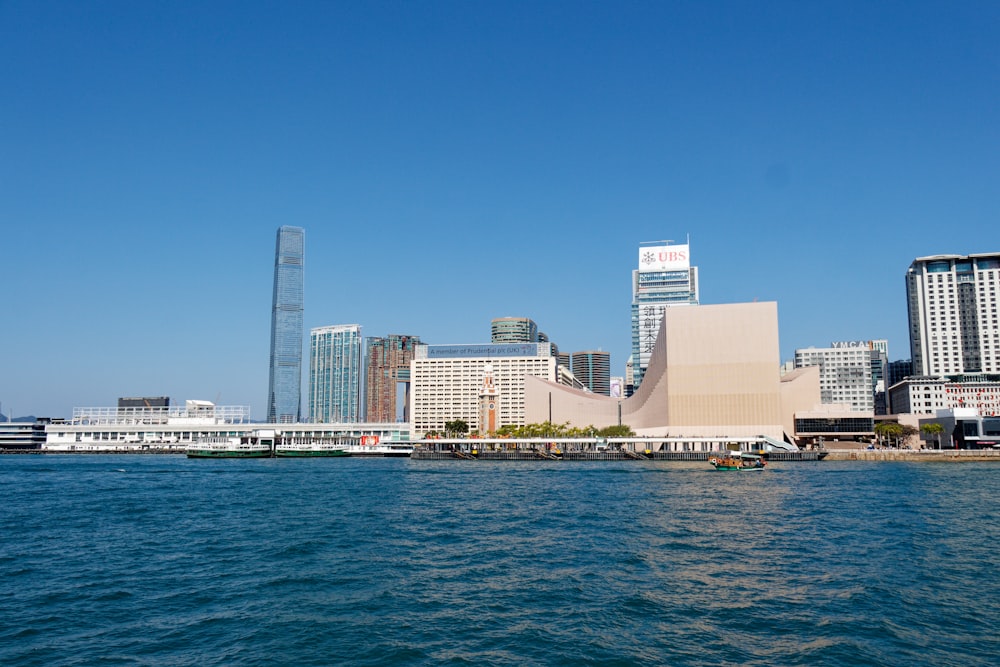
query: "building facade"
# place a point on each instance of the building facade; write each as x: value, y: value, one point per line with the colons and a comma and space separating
x: 845, y: 373
x: 446, y: 381
x: 898, y: 371
x: 593, y: 369
x: 665, y: 278
x: 713, y: 378
x: 335, y: 374
x: 172, y: 428
x: 387, y: 370
x: 284, y: 394
x: 961, y: 428
x: 23, y: 436
x: 953, y: 320
x: 513, y: 330
x: 925, y: 395
x: 880, y: 373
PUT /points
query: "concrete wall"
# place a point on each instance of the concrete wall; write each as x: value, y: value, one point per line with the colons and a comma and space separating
x: 714, y: 371
x: 800, y: 392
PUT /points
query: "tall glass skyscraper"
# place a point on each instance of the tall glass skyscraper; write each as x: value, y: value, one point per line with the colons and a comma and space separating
x: 664, y: 278
x: 335, y: 374
x: 284, y: 394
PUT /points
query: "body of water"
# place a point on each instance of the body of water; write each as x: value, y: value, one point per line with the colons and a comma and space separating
x: 162, y: 560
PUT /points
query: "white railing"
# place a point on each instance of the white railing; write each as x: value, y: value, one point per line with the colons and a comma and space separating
x: 221, y: 414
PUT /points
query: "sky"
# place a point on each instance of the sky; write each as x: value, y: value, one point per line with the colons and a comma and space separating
x: 453, y: 162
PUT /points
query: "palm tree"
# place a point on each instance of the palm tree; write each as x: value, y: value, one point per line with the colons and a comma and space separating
x: 457, y: 427
x: 888, y: 431
x: 933, y: 428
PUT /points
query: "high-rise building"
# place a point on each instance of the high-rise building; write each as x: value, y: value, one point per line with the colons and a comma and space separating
x: 514, y: 330
x: 284, y: 392
x: 952, y: 306
x: 898, y: 370
x: 880, y: 372
x: 845, y: 373
x: 593, y: 370
x: 387, y: 369
x: 629, y: 376
x: 447, y: 382
x: 664, y: 278
x: 335, y: 374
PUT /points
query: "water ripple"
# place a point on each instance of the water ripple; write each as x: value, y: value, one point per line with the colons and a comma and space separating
x: 352, y: 562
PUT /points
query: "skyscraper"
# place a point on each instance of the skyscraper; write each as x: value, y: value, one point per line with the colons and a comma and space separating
x: 593, y: 370
x: 514, y: 330
x: 952, y: 305
x: 335, y: 374
x: 387, y: 367
x: 284, y: 393
x: 664, y: 278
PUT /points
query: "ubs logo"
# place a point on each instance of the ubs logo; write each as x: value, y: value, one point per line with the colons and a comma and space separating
x: 664, y: 256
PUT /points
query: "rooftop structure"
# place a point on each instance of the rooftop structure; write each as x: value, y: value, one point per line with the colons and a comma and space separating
x: 191, y: 413
x: 513, y: 330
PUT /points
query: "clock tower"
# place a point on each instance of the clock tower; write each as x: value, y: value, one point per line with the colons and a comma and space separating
x: 488, y: 403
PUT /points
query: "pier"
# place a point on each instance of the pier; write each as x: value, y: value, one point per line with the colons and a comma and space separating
x: 599, y: 449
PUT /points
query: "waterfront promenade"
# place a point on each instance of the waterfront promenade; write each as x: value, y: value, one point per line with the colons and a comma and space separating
x: 913, y: 455
x: 526, y: 454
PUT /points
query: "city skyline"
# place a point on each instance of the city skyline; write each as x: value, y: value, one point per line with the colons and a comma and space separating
x: 456, y: 163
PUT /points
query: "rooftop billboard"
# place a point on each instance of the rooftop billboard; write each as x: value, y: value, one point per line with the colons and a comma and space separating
x: 501, y: 350
x: 664, y: 258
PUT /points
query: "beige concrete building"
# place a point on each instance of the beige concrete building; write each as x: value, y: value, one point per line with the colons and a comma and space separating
x: 714, y: 373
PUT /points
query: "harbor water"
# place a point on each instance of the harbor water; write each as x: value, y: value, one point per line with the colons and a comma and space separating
x: 162, y: 560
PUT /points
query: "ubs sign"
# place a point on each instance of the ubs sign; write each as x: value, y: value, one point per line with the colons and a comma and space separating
x: 664, y: 258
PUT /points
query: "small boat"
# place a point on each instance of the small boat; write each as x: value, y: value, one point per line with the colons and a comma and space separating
x: 309, y: 447
x: 220, y: 447
x: 738, y: 461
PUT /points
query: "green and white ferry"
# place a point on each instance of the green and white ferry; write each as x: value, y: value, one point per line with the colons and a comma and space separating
x: 230, y: 447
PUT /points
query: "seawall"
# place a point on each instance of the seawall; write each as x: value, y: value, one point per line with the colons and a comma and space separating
x: 913, y: 455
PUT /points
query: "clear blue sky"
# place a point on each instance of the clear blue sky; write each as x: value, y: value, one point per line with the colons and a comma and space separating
x: 452, y: 162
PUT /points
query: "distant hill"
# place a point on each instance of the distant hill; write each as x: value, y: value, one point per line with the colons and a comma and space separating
x: 3, y: 418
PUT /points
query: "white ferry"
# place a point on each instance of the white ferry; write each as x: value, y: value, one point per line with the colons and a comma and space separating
x: 219, y: 447
x: 373, y: 445
x: 398, y: 449
x: 310, y: 447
